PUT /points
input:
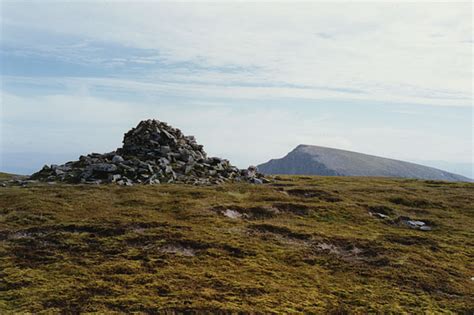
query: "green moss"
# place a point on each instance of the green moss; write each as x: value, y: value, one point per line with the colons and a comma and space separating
x: 302, y: 245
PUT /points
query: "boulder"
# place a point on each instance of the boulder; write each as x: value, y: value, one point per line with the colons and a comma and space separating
x: 117, y: 159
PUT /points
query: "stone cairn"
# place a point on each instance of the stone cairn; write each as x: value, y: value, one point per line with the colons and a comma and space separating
x: 152, y: 153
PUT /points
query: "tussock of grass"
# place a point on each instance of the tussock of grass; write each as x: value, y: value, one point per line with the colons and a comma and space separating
x: 301, y: 244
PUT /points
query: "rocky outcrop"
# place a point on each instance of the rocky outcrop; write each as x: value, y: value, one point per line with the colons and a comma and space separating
x: 152, y: 153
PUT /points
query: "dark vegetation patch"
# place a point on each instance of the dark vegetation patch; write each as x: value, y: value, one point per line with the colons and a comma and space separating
x: 101, y: 230
x: 294, y: 208
x: 282, y: 184
x: 287, y: 178
x: 314, y: 193
x: 412, y: 240
x: 234, y: 251
x: 439, y: 183
x: 48, y: 244
x: 29, y: 254
x: 381, y: 209
x: 415, y: 203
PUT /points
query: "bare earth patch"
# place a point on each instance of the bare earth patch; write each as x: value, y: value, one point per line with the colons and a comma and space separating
x: 251, y: 213
x: 178, y: 250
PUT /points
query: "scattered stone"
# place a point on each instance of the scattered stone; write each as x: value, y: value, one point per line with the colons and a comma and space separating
x: 414, y: 224
x: 252, y: 213
x: 232, y: 214
x: 152, y: 153
x: 379, y: 215
x: 114, y: 178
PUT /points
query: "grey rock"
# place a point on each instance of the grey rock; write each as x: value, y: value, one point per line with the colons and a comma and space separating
x: 58, y: 171
x: 86, y: 174
x: 114, y: 178
x: 188, y: 169
x: 380, y: 215
x: 168, y: 169
x: 415, y: 224
x: 153, y: 152
x: 165, y: 149
x: 104, y: 167
x: 117, y: 159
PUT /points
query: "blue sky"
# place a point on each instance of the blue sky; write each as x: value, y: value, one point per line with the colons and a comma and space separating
x: 250, y: 81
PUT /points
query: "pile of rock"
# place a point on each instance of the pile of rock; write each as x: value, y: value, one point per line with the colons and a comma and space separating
x: 152, y: 153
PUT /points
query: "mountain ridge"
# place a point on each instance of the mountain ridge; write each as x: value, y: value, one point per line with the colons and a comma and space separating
x: 318, y: 160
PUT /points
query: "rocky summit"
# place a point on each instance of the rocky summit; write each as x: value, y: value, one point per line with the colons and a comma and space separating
x: 152, y: 153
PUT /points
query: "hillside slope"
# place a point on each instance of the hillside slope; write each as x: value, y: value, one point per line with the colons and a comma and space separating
x: 8, y: 176
x: 299, y: 245
x: 315, y: 160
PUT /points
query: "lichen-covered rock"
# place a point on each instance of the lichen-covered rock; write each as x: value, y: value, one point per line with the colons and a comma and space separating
x: 152, y: 153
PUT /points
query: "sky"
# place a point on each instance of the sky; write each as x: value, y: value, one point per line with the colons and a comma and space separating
x: 250, y: 80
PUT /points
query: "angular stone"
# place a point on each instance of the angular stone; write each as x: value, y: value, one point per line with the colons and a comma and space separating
x: 117, y: 159
x: 114, y: 178
x: 104, y: 167
x: 168, y: 169
x: 188, y: 169
x: 164, y: 149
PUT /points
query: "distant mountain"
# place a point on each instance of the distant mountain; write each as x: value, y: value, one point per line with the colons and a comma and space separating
x: 315, y: 160
x: 464, y: 169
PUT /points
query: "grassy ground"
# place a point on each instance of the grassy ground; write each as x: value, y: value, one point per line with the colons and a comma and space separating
x: 299, y: 245
x: 7, y: 176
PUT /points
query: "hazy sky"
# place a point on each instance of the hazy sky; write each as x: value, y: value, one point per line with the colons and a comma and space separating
x: 250, y: 81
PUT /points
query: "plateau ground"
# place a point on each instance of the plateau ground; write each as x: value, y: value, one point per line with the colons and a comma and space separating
x: 302, y: 244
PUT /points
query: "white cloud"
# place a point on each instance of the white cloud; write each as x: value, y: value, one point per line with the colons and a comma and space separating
x: 418, y: 53
x: 212, y: 53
